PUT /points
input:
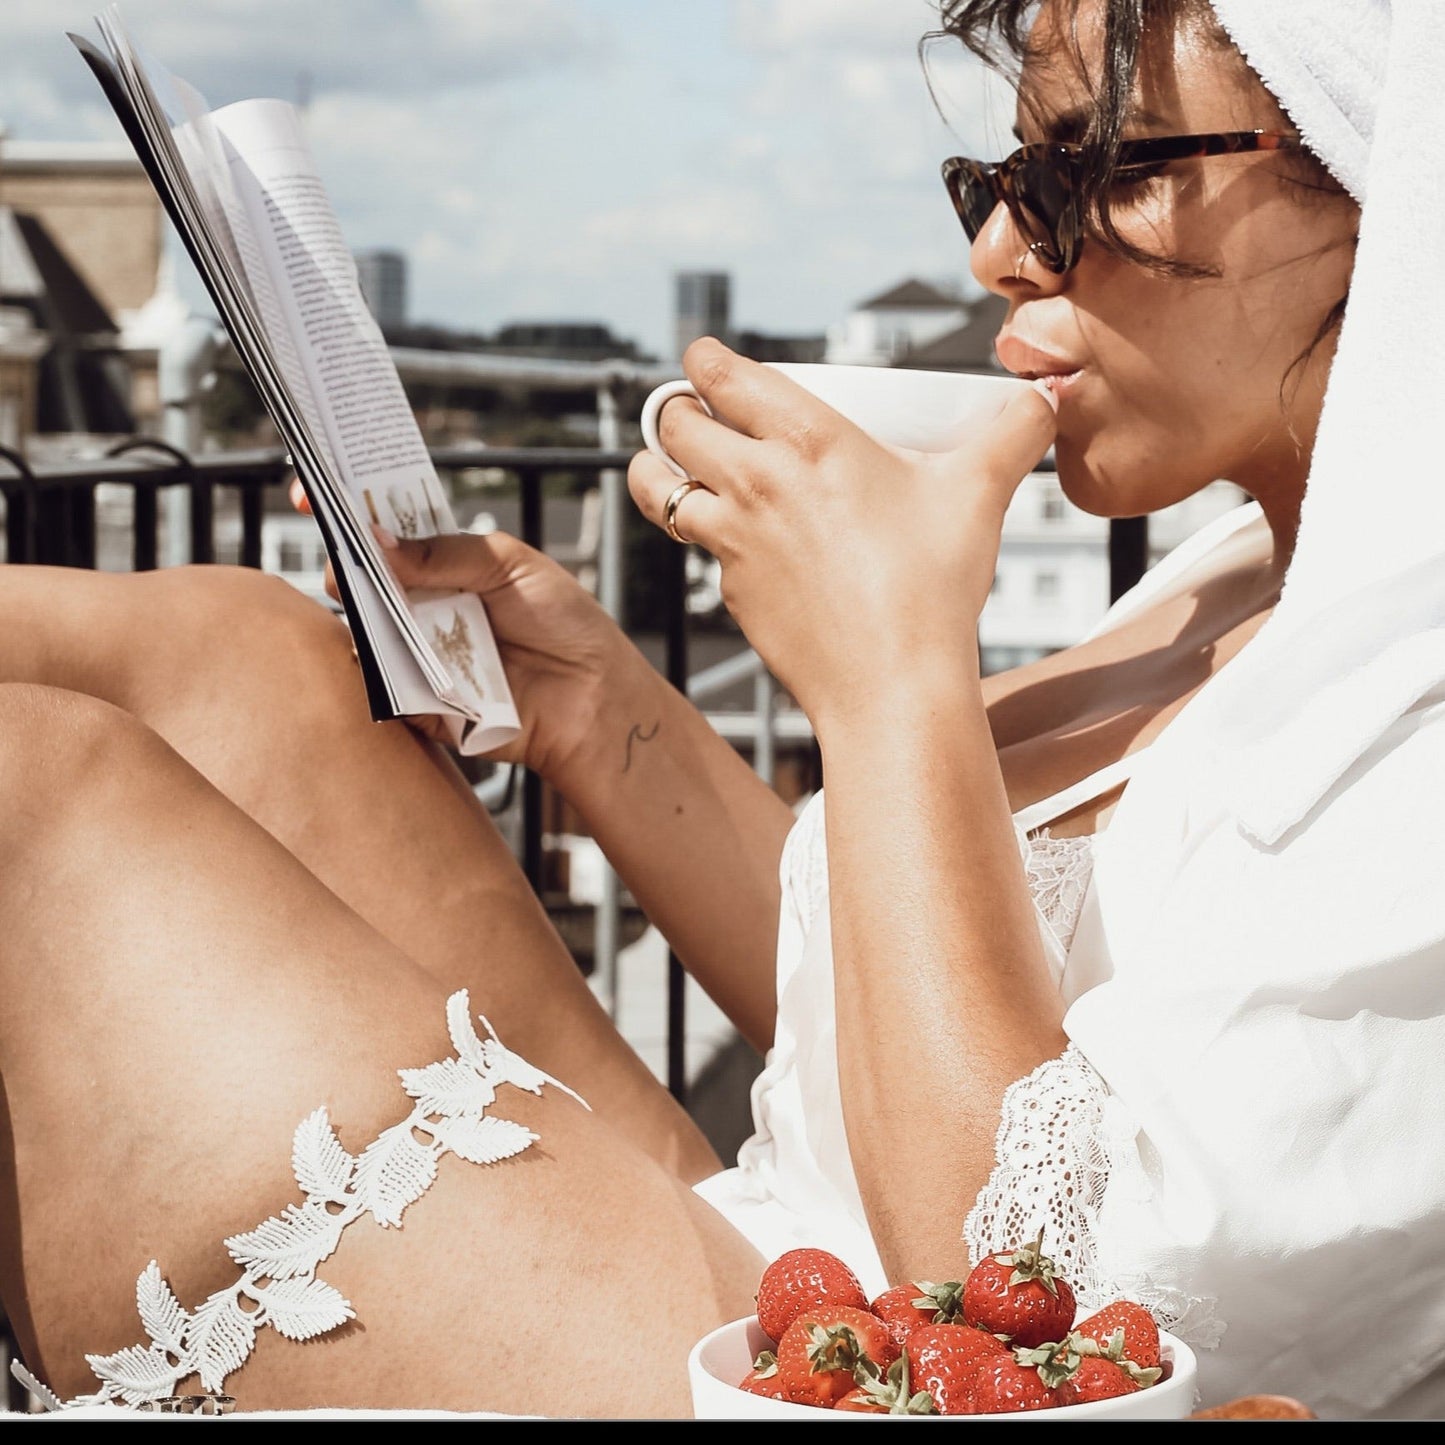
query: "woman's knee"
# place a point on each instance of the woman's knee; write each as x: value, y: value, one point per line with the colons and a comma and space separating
x: 234, y: 638
x: 57, y: 750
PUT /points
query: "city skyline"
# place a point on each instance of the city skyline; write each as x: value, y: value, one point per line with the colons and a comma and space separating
x: 564, y: 159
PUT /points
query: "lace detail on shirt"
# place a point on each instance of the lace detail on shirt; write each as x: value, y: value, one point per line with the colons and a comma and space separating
x: 1058, y: 872
x: 280, y: 1257
x: 805, y: 861
x: 1053, y: 1156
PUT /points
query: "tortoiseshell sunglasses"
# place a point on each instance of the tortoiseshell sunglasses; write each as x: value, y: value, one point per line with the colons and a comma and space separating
x: 1041, y: 184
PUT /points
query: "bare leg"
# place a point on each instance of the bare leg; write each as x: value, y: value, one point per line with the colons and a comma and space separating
x: 179, y: 993
x: 255, y: 686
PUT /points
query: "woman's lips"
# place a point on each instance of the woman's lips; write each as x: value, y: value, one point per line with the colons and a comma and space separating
x: 1033, y: 364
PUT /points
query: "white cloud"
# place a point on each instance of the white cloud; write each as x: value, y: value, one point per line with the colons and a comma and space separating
x: 792, y: 27
x: 231, y: 49
x: 561, y: 158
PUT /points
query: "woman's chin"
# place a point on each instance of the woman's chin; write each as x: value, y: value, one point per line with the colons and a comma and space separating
x: 1105, y: 485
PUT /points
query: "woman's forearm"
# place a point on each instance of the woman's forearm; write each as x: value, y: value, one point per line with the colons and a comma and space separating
x: 944, y: 997
x: 694, y: 834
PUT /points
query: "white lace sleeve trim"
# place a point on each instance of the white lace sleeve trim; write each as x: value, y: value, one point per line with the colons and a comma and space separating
x: 1052, y: 1162
x: 280, y: 1257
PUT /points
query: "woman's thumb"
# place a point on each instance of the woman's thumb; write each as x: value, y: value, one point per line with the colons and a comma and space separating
x: 1022, y: 433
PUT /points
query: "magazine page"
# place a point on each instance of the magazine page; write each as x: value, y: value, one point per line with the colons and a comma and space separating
x: 365, y: 416
x: 424, y: 653
x: 189, y: 189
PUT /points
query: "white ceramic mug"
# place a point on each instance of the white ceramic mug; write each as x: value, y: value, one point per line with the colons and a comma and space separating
x: 924, y: 411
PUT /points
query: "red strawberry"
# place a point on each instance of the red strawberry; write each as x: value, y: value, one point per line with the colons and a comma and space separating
x: 906, y: 1306
x: 763, y: 1379
x: 944, y: 1360
x: 1008, y: 1383
x: 1019, y: 1293
x: 1096, y: 1378
x: 859, y: 1402
x: 888, y: 1394
x: 1141, y: 1334
x: 1084, y: 1369
x: 826, y: 1352
x: 801, y: 1280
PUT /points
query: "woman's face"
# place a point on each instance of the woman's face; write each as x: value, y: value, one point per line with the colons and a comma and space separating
x: 1174, y: 381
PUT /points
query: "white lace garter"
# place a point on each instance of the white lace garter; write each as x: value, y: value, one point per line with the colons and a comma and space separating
x: 1056, y: 1148
x: 280, y: 1257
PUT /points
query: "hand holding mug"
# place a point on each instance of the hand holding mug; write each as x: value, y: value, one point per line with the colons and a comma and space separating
x: 841, y: 501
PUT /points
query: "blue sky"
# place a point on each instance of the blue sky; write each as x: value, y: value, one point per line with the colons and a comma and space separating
x: 559, y: 159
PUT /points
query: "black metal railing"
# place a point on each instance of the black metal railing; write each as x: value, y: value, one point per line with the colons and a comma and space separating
x: 50, y: 518
x: 51, y: 512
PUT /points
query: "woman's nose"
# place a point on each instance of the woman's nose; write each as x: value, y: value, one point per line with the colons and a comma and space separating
x: 1002, y: 260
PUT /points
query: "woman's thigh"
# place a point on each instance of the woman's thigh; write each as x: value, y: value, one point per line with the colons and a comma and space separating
x: 179, y: 994
x: 256, y: 687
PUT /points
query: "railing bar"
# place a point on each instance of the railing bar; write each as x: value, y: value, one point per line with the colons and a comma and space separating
x: 203, y: 516
x: 764, y: 702
x: 1128, y: 553
x: 253, y: 500
x: 722, y: 675
x: 236, y: 466
x: 52, y: 528
x: 19, y: 523
x: 144, y: 520
x: 530, y: 485
x: 675, y: 590
x: 82, y: 527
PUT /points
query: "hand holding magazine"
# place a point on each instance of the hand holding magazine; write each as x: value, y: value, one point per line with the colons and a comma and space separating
x: 240, y: 187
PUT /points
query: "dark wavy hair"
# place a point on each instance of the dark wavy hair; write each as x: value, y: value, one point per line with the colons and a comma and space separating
x: 997, y: 31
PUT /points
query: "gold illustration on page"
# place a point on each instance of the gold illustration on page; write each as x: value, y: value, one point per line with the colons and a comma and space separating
x: 454, y: 646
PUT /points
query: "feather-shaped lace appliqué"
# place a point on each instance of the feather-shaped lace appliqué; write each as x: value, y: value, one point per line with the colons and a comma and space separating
x: 278, y: 1285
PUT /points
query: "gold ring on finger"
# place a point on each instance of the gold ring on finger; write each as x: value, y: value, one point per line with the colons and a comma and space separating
x: 669, y: 512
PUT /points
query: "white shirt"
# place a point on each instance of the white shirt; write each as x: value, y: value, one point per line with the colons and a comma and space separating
x: 794, y: 1183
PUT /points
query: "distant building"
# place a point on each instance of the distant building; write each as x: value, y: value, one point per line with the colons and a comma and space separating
x: 383, y: 283
x: 21, y: 347
x: 759, y: 346
x: 64, y: 372
x: 1051, y: 584
x: 85, y: 254
x: 883, y: 329
x: 968, y: 347
x: 702, y: 306
x: 95, y: 200
x: 568, y: 340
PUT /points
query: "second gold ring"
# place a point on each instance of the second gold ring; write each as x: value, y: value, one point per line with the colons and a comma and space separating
x: 669, y: 512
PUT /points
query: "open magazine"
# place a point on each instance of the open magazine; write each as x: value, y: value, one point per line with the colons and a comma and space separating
x: 241, y: 188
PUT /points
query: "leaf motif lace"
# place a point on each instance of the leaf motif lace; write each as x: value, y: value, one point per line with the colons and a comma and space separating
x: 1058, y: 872
x: 1055, y: 1150
x: 278, y: 1285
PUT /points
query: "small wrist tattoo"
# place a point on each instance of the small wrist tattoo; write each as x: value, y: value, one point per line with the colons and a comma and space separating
x: 637, y: 734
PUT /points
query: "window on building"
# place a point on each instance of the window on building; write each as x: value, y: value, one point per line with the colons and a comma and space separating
x: 1052, y: 507
x: 1046, y: 586
x: 293, y: 557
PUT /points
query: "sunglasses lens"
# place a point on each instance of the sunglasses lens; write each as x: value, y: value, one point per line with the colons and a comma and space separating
x: 1044, y: 194
x: 974, y: 198
x: 1039, y: 192
x: 979, y: 201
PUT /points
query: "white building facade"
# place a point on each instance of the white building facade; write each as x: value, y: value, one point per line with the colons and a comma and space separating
x: 884, y: 329
x: 1052, y: 581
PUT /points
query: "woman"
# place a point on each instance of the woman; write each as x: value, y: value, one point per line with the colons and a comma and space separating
x: 297, y: 894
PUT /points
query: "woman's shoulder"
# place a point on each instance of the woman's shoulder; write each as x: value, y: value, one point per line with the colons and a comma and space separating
x: 1210, y: 547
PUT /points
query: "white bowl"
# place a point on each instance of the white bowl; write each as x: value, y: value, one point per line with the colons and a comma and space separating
x: 720, y: 1359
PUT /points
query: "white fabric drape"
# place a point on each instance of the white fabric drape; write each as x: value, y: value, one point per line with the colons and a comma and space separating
x: 1259, y: 975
